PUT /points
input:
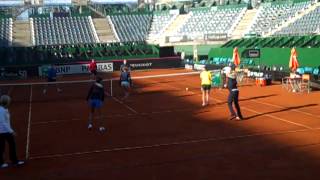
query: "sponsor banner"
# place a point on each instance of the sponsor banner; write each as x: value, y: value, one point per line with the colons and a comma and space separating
x: 17, y: 72
x: 188, y: 66
x: 199, y: 67
x: 172, y: 62
x: 76, y: 68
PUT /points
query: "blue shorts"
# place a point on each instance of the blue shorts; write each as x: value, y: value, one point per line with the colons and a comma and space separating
x: 125, y: 84
x: 95, y: 103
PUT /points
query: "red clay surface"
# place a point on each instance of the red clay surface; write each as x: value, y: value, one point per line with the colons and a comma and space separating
x: 162, y: 132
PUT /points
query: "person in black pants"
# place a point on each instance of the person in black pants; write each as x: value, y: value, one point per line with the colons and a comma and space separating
x: 95, y: 100
x: 233, y: 96
x: 7, y: 134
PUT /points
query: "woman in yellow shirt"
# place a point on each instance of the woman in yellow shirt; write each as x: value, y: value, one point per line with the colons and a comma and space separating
x: 206, y: 78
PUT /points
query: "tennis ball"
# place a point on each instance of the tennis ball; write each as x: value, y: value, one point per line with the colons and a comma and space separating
x: 187, y: 89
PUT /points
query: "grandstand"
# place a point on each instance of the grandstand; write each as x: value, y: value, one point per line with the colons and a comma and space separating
x: 106, y: 30
x: 5, y: 32
x: 305, y: 25
x: 132, y: 27
x: 207, y: 21
x: 163, y: 132
x: 63, y: 30
x: 160, y: 21
x: 273, y: 15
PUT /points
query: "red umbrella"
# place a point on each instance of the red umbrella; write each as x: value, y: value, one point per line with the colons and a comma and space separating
x: 236, y: 57
x: 293, y: 63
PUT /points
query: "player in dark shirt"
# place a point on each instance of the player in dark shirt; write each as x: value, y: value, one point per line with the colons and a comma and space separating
x: 125, y: 82
x: 51, y: 77
x: 95, y: 99
x: 233, y: 96
x: 125, y: 64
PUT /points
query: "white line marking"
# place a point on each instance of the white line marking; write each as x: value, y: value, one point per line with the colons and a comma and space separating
x: 274, y: 117
x: 295, y: 110
x: 128, y: 107
x: 119, y: 115
x: 277, y: 118
x: 166, y: 144
x: 165, y: 75
x: 279, y: 106
x: 268, y: 115
x: 29, y: 125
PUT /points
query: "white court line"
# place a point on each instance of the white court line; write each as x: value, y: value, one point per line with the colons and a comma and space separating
x: 120, y: 102
x: 125, y: 105
x: 268, y: 115
x: 279, y: 106
x: 29, y: 125
x: 280, y: 119
x: 271, y: 116
x: 295, y: 110
x: 130, y: 148
x: 118, y: 115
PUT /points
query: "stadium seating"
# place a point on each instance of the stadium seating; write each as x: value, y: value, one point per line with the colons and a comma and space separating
x: 308, y: 24
x: 132, y: 27
x: 211, y: 21
x: 5, y: 32
x: 272, y: 15
x: 64, y: 30
x: 159, y: 22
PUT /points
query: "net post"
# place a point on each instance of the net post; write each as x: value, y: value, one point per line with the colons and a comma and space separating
x: 111, y: 88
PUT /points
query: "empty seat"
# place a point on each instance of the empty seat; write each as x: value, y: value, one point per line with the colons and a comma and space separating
x: 63, y: 30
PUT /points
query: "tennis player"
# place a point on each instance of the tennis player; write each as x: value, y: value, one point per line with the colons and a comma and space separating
x: 95, y: 99
x: 7, y: 134
x: 51, y: 77
x: 206, y: 78
x: 125, y: 64
x: 233, y: 96
x: 125, y: 82
x: 93, y: 68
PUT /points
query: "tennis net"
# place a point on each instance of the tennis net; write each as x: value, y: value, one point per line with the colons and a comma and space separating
x: 77, y: 90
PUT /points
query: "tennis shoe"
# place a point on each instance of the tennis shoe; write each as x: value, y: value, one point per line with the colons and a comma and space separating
x: 90, y: 126
x: 102, y: 129
x: 19, y: 163
x: 4, y: 165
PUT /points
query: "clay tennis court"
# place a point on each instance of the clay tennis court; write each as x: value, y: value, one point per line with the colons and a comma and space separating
x: 163, y: 132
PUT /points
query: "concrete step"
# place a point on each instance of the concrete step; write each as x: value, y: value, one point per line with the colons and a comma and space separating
x: 21, y: 33
x: 244, y: 24
x: 103, y: 30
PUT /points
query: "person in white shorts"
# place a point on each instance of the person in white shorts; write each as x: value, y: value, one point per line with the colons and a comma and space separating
x: 125, y: 82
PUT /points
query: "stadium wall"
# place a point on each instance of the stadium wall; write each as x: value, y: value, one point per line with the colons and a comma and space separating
x: 22, y: 72
x: 274, y: 56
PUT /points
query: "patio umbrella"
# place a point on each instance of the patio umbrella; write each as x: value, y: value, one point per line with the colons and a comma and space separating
x: 236, y: 57
x: 293, y: 63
